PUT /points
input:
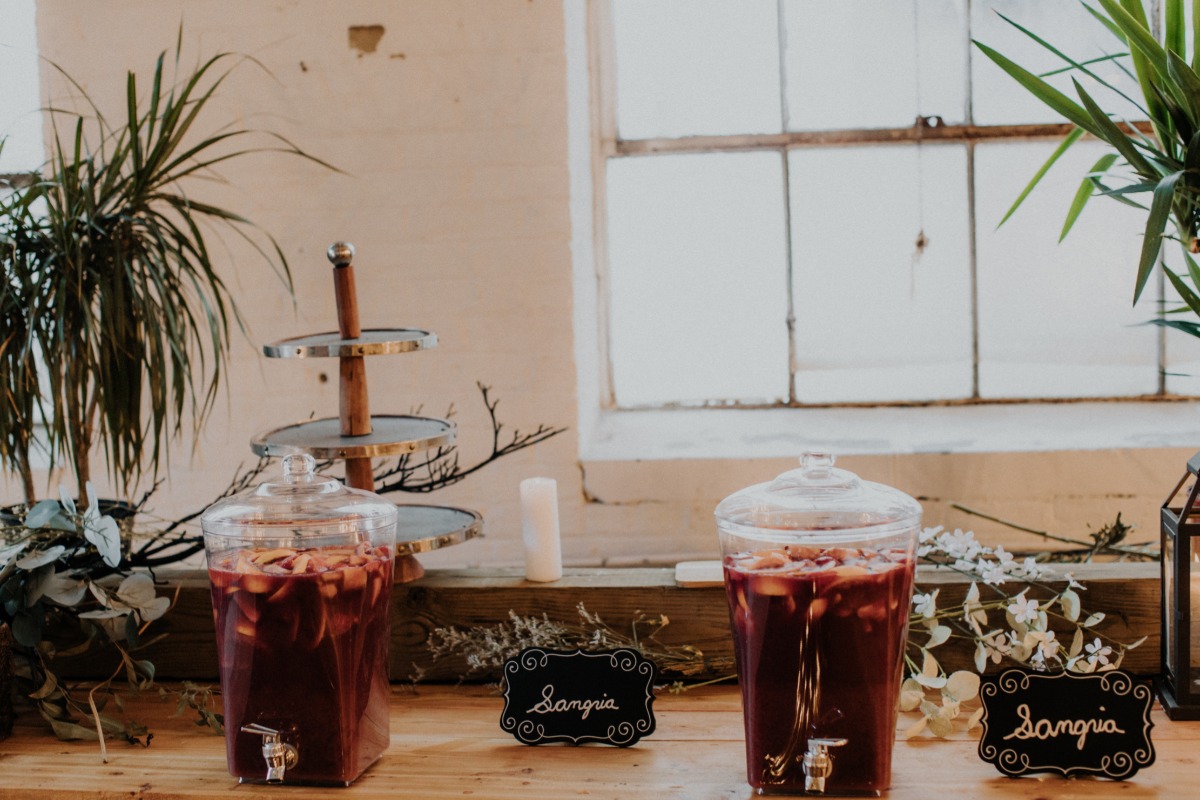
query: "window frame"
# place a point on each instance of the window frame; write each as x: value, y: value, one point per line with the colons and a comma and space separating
x: 736, y: 430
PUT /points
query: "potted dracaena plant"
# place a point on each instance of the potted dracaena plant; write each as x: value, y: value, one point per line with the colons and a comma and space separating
x: 116, y: 326
x: 1154, y: 167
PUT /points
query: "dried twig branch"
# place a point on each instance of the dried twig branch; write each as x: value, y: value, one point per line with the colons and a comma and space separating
x: 428, y: 472
x: 1103, y: 541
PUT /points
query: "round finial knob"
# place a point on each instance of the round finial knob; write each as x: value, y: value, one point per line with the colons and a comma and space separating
x: 340, y: 253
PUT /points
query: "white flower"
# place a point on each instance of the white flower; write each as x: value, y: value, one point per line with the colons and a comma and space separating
x: 1072, y: 583
x: 963, y: 565
x: 1023, y: 610
x: 1098, y: 652
x: 926, y: 604
x: 927, y: 541
x: 996, y: 646
x: 991, y: 573
x: 1004, y: 559
x: 960, y: 544
x: 1031, y: 570
x: 1048, y: 645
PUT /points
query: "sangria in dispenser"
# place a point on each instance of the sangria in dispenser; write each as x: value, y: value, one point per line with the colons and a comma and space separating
x: 818, y: 573
x: 301, y: 573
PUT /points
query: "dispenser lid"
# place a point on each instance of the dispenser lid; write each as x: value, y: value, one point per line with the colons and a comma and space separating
x: 816, y: 499
x: 302, y: 501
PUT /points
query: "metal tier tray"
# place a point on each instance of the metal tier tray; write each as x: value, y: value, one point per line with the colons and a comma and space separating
x: 391, y: 435
x: 372, y: 342
x: 420, y: 529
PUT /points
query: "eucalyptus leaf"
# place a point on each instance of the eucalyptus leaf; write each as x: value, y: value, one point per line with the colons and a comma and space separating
x: 37, y: 558
x: 103, y: 613
x: 27, y: 625
x: 47, y: 688
x: 70, y: 731
x: 911, y: 695
x: 8, y: 554
x: 961, y: 686
x: 1076, y: 644
x: 1070, y: 605
x: 106, y: 536
x: 939, y: 634
x: 65, y: 590
x: 41, y: 514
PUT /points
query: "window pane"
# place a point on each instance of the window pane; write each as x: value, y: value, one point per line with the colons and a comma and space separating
x: 1182, y: 354
x: 1066, y: 24
x: 877, y: 85
x: 690, y: 67
x: 697, y: 271
x: 880, y: 315
x: 19, y: 95
x: 1055, y: 320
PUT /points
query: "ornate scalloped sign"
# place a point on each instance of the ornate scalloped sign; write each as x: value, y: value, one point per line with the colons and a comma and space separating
x: 1097, y: 724
x: 577, y: 696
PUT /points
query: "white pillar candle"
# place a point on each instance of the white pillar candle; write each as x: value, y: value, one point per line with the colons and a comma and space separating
x: 539, y: 524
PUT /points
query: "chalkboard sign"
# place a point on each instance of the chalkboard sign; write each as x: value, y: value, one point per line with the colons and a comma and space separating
x: 577, y: 697
x: 1097, y: 724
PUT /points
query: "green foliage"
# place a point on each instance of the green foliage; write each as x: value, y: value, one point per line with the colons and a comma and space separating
x: 1165, y: 166
x: 109, y: 274
x: 65, y: 592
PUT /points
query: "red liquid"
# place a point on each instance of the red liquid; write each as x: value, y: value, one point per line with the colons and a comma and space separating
x: 302, y: 642
x: 819, y: 636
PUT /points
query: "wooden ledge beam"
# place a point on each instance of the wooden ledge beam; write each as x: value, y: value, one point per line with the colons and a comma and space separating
x: 1128, y: 593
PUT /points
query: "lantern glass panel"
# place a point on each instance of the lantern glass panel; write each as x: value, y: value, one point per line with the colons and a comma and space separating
x: 1168, y: 632
x: 1192, y: 594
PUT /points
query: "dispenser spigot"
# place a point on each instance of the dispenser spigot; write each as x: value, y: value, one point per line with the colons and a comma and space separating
x: 280, y: 757
x: 818, y: 764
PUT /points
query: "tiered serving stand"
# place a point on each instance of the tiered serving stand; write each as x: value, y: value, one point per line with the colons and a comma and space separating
x: 355, y: 435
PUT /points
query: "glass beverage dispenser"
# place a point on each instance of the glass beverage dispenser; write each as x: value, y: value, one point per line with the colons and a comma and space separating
x: 818, y: 573
x: 301, y: 573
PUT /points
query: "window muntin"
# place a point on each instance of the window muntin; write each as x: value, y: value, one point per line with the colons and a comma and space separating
x: 20, y: 97
x: 900, y: 288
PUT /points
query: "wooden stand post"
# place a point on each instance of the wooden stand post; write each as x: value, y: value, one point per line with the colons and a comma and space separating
x: 352, y: 388
x: 352, y: 372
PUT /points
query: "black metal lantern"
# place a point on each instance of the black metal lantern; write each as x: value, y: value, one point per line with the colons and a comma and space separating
x: 1179, y: 686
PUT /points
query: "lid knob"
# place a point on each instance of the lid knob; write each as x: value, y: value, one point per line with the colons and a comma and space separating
x: 816, y: 464
x: 818, y: 763
x: 297, y: 466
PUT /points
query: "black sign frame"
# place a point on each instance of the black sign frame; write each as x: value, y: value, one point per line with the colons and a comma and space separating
x: 1042, y: 722
x: 579, y: 696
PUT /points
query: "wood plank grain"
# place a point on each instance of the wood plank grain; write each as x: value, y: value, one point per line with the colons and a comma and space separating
x: 446, y: 742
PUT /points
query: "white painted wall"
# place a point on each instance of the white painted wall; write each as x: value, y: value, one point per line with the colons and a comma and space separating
x: 453, y: 135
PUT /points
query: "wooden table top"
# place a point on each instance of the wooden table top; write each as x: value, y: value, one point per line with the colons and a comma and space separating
x: 446, y: 742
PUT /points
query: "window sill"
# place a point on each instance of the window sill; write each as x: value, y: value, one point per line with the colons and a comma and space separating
x: 777, y: 433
